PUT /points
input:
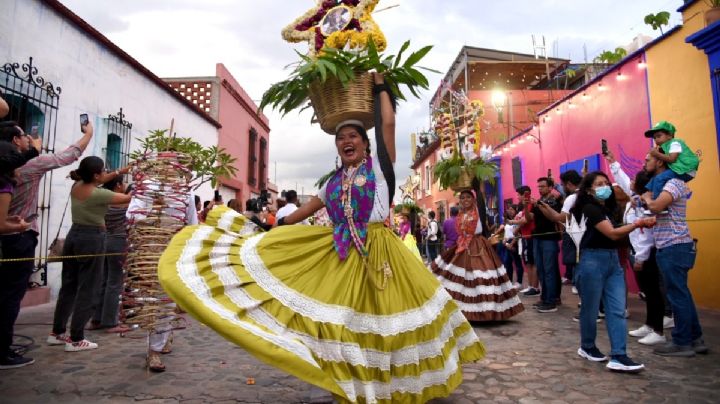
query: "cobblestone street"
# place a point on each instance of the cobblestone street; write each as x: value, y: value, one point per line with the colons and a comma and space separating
x: 530, y: 359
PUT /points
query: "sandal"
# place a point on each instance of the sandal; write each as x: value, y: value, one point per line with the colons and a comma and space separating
x: 154, y: 363
x: 168, y: 345
x: 118, y: 329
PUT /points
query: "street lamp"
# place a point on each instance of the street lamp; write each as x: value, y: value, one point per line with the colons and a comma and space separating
x: 498, y: 100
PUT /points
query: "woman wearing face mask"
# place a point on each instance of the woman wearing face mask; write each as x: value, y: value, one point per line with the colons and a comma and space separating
x: 349, y: 308
x: 86, y: 238
x: 473, y: 273
x: 599, y: 275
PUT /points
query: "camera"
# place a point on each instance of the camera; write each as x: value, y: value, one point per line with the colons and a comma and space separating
x: 256, y: 204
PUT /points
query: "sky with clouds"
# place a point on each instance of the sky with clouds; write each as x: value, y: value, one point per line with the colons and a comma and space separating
x: 175, y: 38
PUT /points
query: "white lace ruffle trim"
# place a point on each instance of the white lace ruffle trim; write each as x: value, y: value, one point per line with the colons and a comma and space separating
x: 188, y: 273
x: 359, y: 322
x: 329, y: 350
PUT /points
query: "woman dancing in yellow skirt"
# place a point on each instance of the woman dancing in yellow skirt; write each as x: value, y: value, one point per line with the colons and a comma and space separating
x: 347, y: 308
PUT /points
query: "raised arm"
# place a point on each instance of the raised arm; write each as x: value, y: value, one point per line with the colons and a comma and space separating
x: 303, y: 212
x: 388, y: 117
x: 87, y: 131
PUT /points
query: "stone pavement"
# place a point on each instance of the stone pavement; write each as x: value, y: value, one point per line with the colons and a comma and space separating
x: 531, y: 358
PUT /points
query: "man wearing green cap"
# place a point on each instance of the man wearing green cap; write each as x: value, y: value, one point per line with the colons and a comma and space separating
x: 683, y: 163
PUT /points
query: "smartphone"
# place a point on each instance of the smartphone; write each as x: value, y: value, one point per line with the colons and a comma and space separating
x: 34, y: 132
x: 31, y: 218
x: 84, y: 120
x: 604, y: 147
x: 217, y: 198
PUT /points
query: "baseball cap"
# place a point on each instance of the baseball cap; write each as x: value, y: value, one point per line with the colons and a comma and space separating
x: 662, y: 125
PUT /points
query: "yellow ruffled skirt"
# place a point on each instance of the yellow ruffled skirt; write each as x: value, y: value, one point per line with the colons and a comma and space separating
x: 285, y: 297
x: 411, y: 243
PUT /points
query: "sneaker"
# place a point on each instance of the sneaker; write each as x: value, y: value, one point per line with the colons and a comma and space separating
x: 593, y: 354
x: 547, y: 308
x: 621, y: 363
x: 532, y: 292
x: 641, y: 332
x: 576, y: 318
x: 668, y: 322
x: 574, y: 290
x: 13, y: 360
x: 699, y: 346
x: 83, y: 345
x: 671, y: 349
x: 58, y: 339
x: 653, y: 339
x: 627, y: 313
x: 517, y: 285
x: 527, y: 289
x: 642, y: 296
x: 601, y: 314
x: 564, y: 280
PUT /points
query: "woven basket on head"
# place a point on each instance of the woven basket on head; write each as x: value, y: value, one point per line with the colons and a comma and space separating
x: 334, y: 103
x: 463, y: 183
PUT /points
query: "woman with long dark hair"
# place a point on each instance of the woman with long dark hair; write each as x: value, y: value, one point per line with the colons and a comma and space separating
x: 472, y: 272
x: 598, y: 275
x: 86, y: 242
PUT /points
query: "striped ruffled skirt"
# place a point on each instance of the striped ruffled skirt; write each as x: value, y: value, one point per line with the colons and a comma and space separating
x: 477, y: 280
x: 285, y: 297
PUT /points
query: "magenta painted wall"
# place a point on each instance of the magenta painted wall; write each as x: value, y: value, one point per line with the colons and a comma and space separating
x: 619, y: 113
x: 237, y: 114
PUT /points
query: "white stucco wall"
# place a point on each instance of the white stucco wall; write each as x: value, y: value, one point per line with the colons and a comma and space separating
x: 93, y: 81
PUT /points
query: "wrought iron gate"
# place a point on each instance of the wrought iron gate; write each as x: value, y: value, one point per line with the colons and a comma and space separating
x: 33, y: 105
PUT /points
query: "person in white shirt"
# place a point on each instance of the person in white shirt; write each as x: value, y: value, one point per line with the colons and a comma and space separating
x: 290, y: 206
x: 646, y: 270
x: 432, y: 237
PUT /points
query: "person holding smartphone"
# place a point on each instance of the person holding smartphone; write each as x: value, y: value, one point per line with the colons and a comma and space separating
x: 88, y: 204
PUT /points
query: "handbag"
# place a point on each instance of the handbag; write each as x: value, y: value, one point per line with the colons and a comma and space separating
x: 55, y: 250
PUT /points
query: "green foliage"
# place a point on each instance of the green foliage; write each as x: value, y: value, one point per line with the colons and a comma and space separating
x: 447, y: 172
x: 207, y: 163
x: 408, y: 207
x: 656, y: 21
x: 611, y: 57
x: 292, y: 93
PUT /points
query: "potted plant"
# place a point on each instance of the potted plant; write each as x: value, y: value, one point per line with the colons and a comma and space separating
x: 207, y: 164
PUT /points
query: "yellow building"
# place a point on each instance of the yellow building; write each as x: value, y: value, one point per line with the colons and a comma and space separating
x: 680, y: 89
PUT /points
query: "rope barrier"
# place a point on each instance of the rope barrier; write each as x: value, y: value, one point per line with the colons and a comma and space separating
x: 63, y: 257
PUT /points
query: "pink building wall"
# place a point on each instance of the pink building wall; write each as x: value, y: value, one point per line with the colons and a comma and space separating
x: 238, y: 115
x: 613, y: 109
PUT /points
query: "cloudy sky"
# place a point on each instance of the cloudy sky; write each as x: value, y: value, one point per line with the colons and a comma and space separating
x: 187, y: 37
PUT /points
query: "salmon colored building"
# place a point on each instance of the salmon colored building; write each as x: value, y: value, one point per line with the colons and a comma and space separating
x: 245, y: 133
x: 668, y: 79
x: 480, y: 73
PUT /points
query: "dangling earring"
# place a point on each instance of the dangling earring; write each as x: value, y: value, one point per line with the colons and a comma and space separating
x: 337, y: 162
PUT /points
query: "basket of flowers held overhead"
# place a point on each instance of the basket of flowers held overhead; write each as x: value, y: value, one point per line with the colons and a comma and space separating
x: 463, y: 159
x: 345, y: 47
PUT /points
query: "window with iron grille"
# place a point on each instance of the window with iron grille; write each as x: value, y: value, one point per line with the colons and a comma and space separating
x: 118, y: 134
x: 252, y: 156
x: 262, y: 175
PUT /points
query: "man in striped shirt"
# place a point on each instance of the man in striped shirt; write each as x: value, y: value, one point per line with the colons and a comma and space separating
x: 15, y: 276
x: 675, y: 256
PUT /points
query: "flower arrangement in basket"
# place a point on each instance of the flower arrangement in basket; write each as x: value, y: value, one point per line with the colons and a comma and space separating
x: 346, y: 45
x: 462, y: 157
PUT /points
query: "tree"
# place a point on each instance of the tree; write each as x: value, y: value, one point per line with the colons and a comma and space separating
x: 611, y: 57
x: 656, y: 21
x: 207, y: 163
